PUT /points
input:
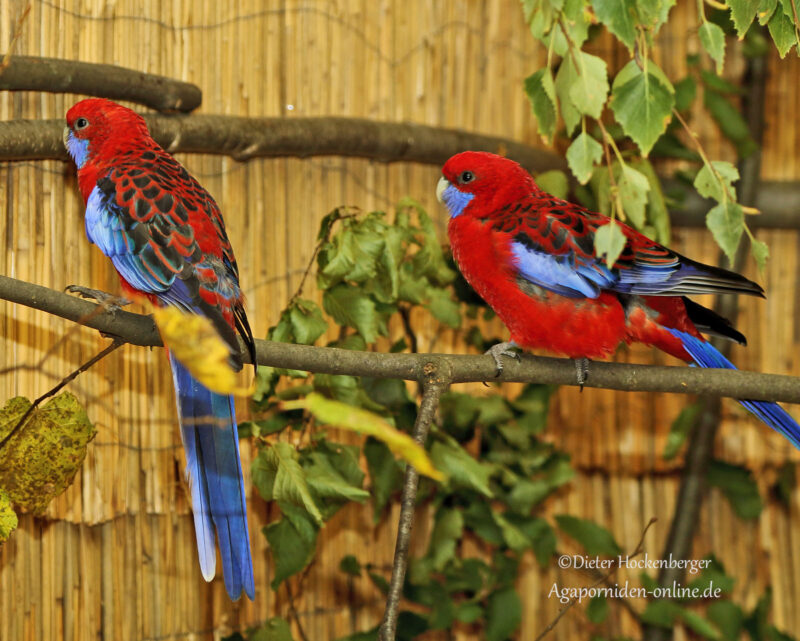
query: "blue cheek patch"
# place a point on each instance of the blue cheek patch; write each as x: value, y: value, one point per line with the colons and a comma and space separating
x: 456, y: 200
x: 78, y: 149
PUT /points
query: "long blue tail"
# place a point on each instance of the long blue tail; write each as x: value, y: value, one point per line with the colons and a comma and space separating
x: 214, y: 472
x: 706, y: 355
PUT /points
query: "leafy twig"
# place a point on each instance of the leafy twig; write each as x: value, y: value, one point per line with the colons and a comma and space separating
x: 636, y: 552
x: 96, y: 358
x: 437, y: 379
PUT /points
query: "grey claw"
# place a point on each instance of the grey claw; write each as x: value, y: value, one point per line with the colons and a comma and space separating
x: 498, y: 351
x: 109, y: 301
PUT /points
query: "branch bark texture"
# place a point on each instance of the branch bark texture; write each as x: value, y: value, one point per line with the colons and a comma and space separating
x: 140, y: 330
x: 436, y: 381
x: 52, y: 75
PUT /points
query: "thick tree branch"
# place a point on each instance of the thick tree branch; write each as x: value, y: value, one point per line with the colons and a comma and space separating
x: 245, y: 138
x: 140, y: 330
x: 28, y: 73
x: 436, y: 381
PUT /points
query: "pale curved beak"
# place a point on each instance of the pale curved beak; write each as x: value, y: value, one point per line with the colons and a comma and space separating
x: 440, y: 187
x: 65, y: 135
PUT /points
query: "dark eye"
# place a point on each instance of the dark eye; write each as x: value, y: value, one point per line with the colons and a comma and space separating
x: 466, y: 177
x: 81, y: 123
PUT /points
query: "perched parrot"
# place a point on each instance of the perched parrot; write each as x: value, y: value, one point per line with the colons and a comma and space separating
x: 165, y: 236
x: 531, y: 257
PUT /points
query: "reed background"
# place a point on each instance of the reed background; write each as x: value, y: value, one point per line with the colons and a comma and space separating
x: 115, y: 558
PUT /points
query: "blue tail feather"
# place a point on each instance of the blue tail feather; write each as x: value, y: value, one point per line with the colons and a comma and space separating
x: 706, y: 355
x: 214, y: 470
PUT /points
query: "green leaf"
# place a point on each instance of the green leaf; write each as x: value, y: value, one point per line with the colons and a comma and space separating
x: 444, y: 308
x: 583, y: 154
x: 544, y: 540
x: 292, y: 542
x: 712, y: 37
x: 275, y: 629
x: 370, y: 424
x: 742, y: 14
x: 565, y: 78
x: 461, y: 469
x: 633, y: 187
x: 680, y: 429
x: 728, y: 617
x: 594, y: 538
x: 278, y: 477
x: 350, y: 565
x: 760, y: 252
x: 553, y: 182
x: 661, y: 613
x: 707, y: 183
x: 618, y: 16
x: 609, y: 241
x: 730, y: 122
x: 652, y: 15
x: 328, y: 482
x: 349, y: 306
x: 781, y: 28
x: 685, y: 92
x: 642, y: 103
x: 739, y: 487
x: 542, y: 94
x: 657, y: 213
x: 503, y: 614
x: 726, y: 222
x: 597, y: 610
x: 8, y: 518
x: 699, y: 624
x: 385, y: 472
x: 42, y: 457
x: 448, y: 528
x: 468, y: 612
x: 589, y: 90
x: 307, y: 322
x: 765, y: 10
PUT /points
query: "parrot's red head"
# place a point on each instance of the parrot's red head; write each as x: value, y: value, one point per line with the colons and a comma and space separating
x: 485, y: 178
x: 97, y: 128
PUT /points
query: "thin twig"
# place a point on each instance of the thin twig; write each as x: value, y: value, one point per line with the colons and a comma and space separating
x: 294, y: 613
x: 436, y: 380
x: 97, y: 357
x: 636, y: 552
x: 17, y: 33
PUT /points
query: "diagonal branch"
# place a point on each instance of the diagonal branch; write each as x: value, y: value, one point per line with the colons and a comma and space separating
x: 140, y: 330
x: 437, y: 379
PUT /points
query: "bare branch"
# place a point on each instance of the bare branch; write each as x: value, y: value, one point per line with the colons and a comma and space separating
x: 245, y: 138
x: 29, y: 73
x: 140, y: 330
x: 437, y: 379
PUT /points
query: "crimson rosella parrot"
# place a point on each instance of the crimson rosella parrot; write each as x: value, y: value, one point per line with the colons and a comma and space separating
x: 531, y: 257
x: 165, y: 236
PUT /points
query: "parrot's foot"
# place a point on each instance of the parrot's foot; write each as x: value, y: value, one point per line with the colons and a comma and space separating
x: 500, y: 350
x: 109, y: 301
x: 582, y: 371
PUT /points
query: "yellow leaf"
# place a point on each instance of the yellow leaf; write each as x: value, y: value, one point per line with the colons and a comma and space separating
x: 8, y: 518
x: 42, y: 457
x: 364, y: 422
x: 195, y: 343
